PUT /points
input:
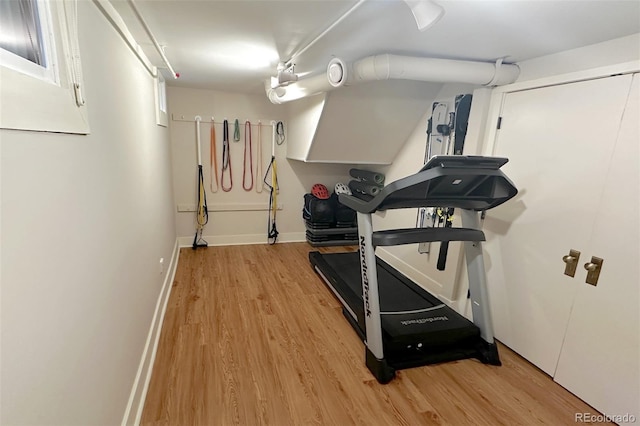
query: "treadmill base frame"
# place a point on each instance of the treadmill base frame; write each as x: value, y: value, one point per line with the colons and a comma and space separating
x: 486, y: 353
x: 380, y: 368
x: 489, y: 354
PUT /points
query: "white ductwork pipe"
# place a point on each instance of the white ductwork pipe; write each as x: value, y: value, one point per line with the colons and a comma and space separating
x: 300, y: 89
x: 394, y: 67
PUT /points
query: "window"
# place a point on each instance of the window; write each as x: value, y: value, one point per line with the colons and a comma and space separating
x: 40, y: 66
x: 25, y: 38
x: 161, y: 100
x: 162, y: 93
x: 20, y: 27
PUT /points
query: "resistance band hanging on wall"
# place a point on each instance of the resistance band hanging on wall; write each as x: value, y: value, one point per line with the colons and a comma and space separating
x: 236, y: 131
x: 247, y: 141
x: 280, y: 132
x: 226, y: 157
x: 213, y: 160
x: 202, y: 213
x: 259, y: 158
x: 272, y: 230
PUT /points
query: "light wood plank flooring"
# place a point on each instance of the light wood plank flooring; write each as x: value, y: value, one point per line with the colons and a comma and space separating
x: 252, y: 336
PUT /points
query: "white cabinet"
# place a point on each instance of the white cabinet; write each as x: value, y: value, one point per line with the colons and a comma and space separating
x: 573, y: 153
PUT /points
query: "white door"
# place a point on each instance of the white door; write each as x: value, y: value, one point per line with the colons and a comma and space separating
x: 600, y: 358
x: 559, y: 141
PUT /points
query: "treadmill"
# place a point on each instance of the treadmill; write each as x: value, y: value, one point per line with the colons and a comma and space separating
x: 402, y: 324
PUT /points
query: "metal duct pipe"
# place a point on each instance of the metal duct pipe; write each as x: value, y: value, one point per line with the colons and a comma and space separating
x: 394, y: 67
x: 300, y: 89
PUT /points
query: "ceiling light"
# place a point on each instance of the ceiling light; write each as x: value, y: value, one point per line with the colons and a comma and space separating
x: 425, y: 12
x: 241, y: 56
x: 285, y: 77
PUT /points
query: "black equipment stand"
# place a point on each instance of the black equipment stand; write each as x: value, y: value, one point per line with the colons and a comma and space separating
x: 401, y: 324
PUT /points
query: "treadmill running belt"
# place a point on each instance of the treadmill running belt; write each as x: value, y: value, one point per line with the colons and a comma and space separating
x: 392, y: 298
x: 434, y: 324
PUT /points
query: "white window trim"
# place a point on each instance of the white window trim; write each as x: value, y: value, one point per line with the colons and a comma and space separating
x: 25, y: 66
x: 49, y: 72
x: 160, y: 90
x: 31, y: 103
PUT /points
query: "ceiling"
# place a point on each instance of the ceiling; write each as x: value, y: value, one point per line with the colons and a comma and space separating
x: 235, y: 45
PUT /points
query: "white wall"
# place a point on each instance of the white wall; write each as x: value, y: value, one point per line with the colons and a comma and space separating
x: 295, y: 178
x: 368, y: 123
x: 303, y: 122
x: 85, y: 220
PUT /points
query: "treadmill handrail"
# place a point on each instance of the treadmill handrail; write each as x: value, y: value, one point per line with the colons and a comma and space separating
x: 444, y: 185
x: 396, y: 237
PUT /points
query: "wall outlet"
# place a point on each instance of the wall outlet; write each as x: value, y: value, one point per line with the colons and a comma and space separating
x: 161, y: 268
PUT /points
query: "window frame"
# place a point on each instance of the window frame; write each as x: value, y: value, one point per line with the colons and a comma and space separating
x: 47, y: 72
x: 160, y: 91
x: 30, y: 102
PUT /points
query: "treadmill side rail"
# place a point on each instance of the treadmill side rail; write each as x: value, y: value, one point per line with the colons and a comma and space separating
x: 369, y: 274
x: 477, y: 279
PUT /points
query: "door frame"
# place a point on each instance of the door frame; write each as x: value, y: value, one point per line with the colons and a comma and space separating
x: 486, y: 145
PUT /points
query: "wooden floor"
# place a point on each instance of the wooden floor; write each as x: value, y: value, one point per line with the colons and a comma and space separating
x: 252, y: 336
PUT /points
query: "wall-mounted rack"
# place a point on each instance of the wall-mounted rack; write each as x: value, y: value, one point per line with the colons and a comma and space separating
x: 208, y: 119
x: 230, y: 207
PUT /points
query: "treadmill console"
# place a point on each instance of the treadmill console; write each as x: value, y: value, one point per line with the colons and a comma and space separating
x: 465, y: 161
x: 457, y: 181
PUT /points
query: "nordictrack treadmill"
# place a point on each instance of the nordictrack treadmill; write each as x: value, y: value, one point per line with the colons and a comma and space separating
x: 401, y: 324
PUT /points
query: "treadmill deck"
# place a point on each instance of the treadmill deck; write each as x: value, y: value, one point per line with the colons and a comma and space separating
x: 413, y: 321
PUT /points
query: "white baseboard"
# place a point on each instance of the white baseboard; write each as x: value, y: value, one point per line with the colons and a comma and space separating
x: 244, y: 239
x: 138, y: 394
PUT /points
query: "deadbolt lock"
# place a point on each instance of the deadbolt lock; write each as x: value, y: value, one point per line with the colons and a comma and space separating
x: 593, y: 270
x: 571, y: 262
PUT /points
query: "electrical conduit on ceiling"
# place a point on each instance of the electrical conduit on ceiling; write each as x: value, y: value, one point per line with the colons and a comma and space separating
x: 152, y: 38
x: 395, y: 67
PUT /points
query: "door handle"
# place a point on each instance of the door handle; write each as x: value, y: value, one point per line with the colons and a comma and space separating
x: 571, y: 262
x: 593, y: 270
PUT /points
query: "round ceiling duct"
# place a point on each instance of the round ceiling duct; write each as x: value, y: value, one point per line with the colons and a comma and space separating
x: 336, y: 72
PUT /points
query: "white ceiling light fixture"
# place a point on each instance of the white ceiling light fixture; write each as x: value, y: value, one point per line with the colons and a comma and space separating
x: 425, y: 12
x: 286, y: 76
